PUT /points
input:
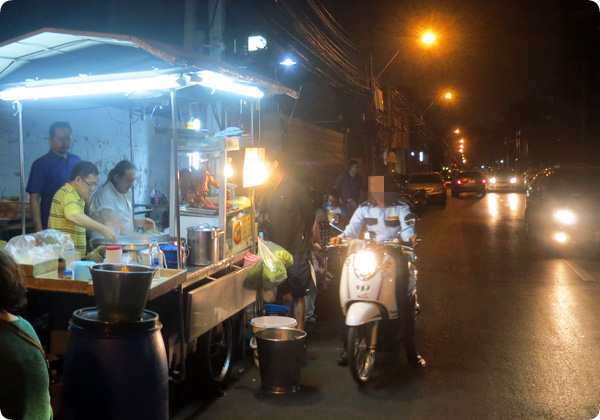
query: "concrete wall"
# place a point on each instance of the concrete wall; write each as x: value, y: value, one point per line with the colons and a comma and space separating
x: 100, y: 135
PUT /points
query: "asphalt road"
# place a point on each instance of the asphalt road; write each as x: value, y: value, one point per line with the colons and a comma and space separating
x: 507, y: 331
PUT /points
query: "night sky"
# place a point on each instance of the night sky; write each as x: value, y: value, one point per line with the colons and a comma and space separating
x: 491, y: 53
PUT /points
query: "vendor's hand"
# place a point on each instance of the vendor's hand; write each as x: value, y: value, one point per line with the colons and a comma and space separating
x: 414, y: 241
x: 148, y: 224
x: 109, y: 235
x: 335, y: 240
x: 317, y: 247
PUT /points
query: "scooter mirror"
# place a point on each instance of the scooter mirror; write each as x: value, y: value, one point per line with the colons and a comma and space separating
x: 411, y: 219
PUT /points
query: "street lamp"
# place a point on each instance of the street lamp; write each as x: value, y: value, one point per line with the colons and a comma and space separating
x: 287, y: 63
x: 428, y: 40
x: 447, y: 96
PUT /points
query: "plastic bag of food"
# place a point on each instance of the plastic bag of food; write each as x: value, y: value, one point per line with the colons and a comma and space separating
x: 274, y: 272
x: 253, y: 280
x: 42, y: 246
x: 281, y: 253
x: 50, y: 237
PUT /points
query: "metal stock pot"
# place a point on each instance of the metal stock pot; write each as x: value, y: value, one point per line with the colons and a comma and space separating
x: 203, y: 242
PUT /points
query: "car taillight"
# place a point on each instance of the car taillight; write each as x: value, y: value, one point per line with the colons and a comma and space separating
x: 483, y: 181
x: 459, y: 181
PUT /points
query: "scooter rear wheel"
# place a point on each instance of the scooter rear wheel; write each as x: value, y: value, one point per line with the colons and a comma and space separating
x: 361, y: 359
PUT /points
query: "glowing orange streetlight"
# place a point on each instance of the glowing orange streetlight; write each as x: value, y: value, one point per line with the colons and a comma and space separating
x: 428, y: 38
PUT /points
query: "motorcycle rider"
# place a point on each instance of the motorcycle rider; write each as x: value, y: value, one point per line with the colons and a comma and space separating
x: 384, y: 216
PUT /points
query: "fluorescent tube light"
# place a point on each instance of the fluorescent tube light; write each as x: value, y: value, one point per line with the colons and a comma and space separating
x: 90, y: 88
x: 220, y: 82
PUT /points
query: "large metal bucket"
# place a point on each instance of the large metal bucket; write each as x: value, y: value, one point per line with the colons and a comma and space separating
x: 121, y: 291
x: 280, y: 356
x: 204, y: 243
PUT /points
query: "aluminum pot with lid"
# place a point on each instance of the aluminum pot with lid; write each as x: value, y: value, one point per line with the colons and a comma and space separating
x: 203, y: 242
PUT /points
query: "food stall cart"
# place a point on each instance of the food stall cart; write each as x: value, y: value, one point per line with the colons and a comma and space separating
x: 198, y: 304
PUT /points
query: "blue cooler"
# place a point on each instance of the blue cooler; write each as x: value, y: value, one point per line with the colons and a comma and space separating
x: 170, y: 252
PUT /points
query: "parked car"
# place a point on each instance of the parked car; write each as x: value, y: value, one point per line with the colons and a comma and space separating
x: 504, y: 180
x: 416, y: 199
x: 432, y: 183
x: 562, y: 207
x: 469, y: 181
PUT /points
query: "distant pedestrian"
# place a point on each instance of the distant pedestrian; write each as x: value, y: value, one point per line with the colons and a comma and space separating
x: 349, y: 184
x: 50, y: 172
x: 338, y: 211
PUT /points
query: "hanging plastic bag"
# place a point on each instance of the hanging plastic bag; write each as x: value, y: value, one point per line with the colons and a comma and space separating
x: 281, y: 253
x: 253, y: 280
x: 274, y: 272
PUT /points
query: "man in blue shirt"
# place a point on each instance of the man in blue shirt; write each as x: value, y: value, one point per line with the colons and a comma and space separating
x: 49, y: 173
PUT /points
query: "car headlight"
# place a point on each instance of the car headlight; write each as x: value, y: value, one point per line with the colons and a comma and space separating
x: 566, y: 217
x: 493, y: 180
x: 561, y: 237
x: 365, y: 263
x: 513, y: 180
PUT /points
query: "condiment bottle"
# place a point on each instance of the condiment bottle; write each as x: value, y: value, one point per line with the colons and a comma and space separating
x: 67, y: 274
x: 62, y: 265
x: 114, y: 254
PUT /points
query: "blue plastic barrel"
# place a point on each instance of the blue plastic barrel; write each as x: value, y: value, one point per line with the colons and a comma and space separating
x: 170, y: 252
x: 115, y: 370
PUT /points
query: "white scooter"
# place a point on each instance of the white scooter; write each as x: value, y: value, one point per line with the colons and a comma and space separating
x: 368, y: 296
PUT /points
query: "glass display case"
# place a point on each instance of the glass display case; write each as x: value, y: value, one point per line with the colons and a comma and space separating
x: 206, y: 198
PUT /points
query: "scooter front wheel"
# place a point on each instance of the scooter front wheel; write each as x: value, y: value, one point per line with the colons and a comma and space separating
x: 361, y: 358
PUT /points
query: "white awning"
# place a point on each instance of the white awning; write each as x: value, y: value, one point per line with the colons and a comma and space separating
x: 49, y: 56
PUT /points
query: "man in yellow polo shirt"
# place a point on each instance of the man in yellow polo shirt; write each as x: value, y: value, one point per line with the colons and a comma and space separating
x: 67, y: 210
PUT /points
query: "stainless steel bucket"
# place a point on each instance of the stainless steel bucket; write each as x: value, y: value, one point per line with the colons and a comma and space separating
x: 204, y: 244
x: 121, y: 291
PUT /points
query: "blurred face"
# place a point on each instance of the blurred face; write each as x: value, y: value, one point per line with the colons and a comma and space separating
x: 85, y: 186
x: 376, y: 188
x: 333, y: 201
x: 125, y: 183
x: 353, y: 170
x: 60, y: 143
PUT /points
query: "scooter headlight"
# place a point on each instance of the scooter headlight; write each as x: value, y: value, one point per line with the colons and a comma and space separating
x: 493, y: 180
x: 365, y: 263
x: 566, y: 217
x: 513, y: 180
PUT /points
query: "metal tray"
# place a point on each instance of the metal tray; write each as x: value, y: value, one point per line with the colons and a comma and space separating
x: 134, y: 243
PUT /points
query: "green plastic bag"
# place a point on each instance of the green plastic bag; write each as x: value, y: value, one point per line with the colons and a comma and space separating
x: 274, y: 272
x: 281, y: 253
